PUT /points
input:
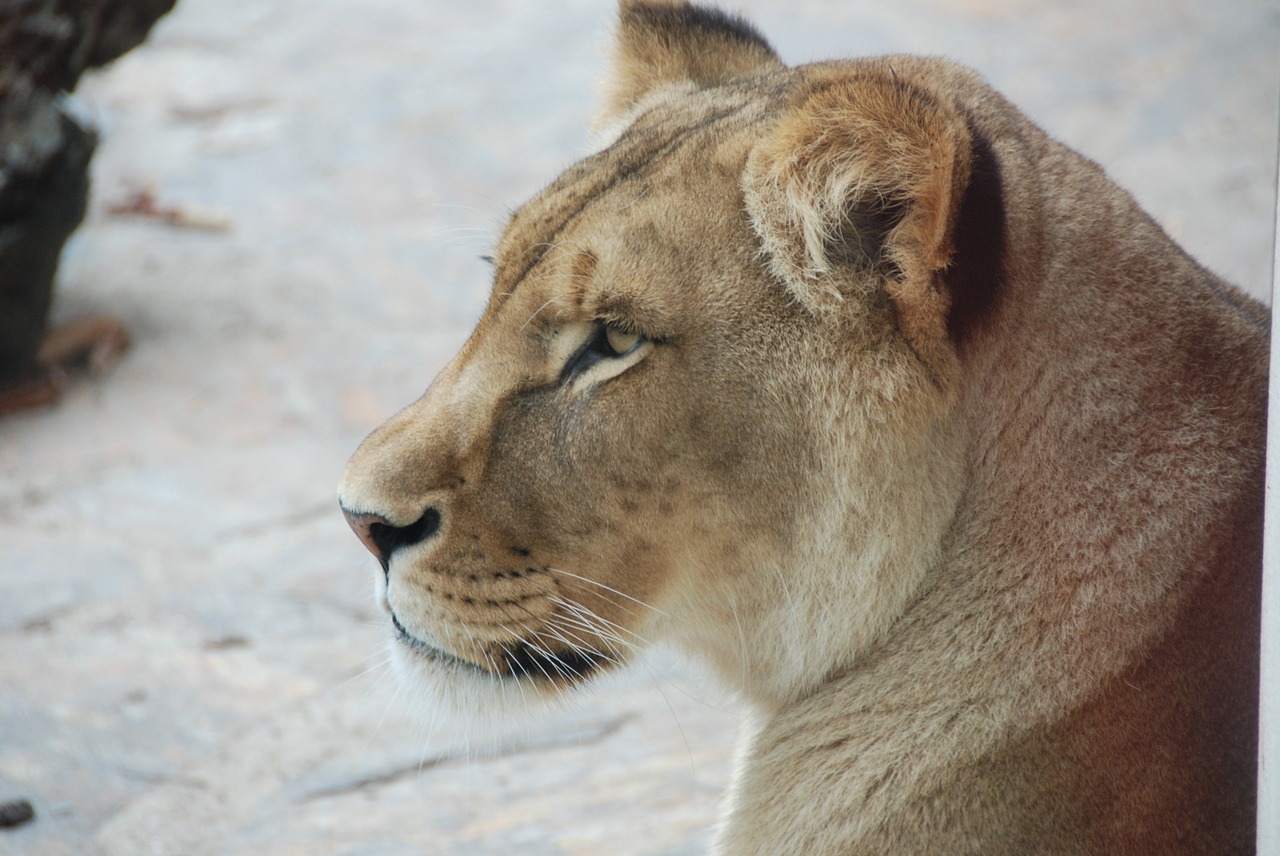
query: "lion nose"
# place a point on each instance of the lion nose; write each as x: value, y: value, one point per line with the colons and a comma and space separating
x: 382, y: 537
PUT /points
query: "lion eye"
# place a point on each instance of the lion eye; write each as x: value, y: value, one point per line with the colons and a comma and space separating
x: 607, y: 343
x: 620, y: 341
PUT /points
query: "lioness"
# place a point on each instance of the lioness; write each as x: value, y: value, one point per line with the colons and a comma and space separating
x: 899, y: 414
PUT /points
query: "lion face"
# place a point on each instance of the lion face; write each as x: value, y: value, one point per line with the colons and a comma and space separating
x: 604, y: 434
x: 652, y: 433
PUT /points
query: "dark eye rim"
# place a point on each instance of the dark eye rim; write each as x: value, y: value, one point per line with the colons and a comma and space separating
x: 596, y: 349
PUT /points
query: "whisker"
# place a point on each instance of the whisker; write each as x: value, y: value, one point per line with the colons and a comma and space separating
x: 602, y: 628
x: 529, y: 639
x: 537, y: 661
x: 675, y: 717
x: 495, y: 672
x: 577, y: 643
x: 742, y: 638
x: 441, y: 231
x: 384, y: 662
x: 556, y: 659
x: 609, y: 638
x: 588, y: 614
x: 539, y: 309
x: 608, y: 589
x: 386, y: 709
x: 566, y: 669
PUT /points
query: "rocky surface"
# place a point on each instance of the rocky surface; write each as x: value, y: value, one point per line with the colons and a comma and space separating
x: 290, y: 198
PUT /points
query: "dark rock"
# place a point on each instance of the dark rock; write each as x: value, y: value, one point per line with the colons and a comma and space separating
x: 15, y: 813
x: 45, y: 45
x: 38, y: 211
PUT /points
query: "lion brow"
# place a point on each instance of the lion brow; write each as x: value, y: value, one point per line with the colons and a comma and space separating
x: 644, y: 154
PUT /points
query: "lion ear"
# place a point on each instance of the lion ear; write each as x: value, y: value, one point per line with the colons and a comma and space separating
x: 665, y: 42
x: 859, y: 188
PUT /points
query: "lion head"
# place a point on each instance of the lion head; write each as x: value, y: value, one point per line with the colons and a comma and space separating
x: 716, y: 368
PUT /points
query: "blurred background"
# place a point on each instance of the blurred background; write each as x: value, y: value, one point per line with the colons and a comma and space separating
x: 191, y: 654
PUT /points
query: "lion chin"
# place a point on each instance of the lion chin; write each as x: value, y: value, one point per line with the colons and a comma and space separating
x: 457, y: 691
x: 854, y: 385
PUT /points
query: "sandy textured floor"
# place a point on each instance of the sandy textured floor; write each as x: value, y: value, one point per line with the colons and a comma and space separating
x: 191, y: 654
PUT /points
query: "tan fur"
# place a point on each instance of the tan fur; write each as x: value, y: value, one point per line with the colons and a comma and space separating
x: 654, y: 50
x: 935, y: 448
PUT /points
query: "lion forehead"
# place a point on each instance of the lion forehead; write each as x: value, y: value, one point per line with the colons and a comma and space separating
x: 675, y: 169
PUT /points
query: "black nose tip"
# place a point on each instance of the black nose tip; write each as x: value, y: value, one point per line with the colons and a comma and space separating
x: 383, y: 538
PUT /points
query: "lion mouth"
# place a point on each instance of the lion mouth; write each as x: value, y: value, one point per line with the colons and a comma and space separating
x: 430, y: 651
x: 515, y: 660
x: 567, y: 666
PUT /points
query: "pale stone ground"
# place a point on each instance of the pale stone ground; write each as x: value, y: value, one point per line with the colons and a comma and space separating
x: 184, y: 617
